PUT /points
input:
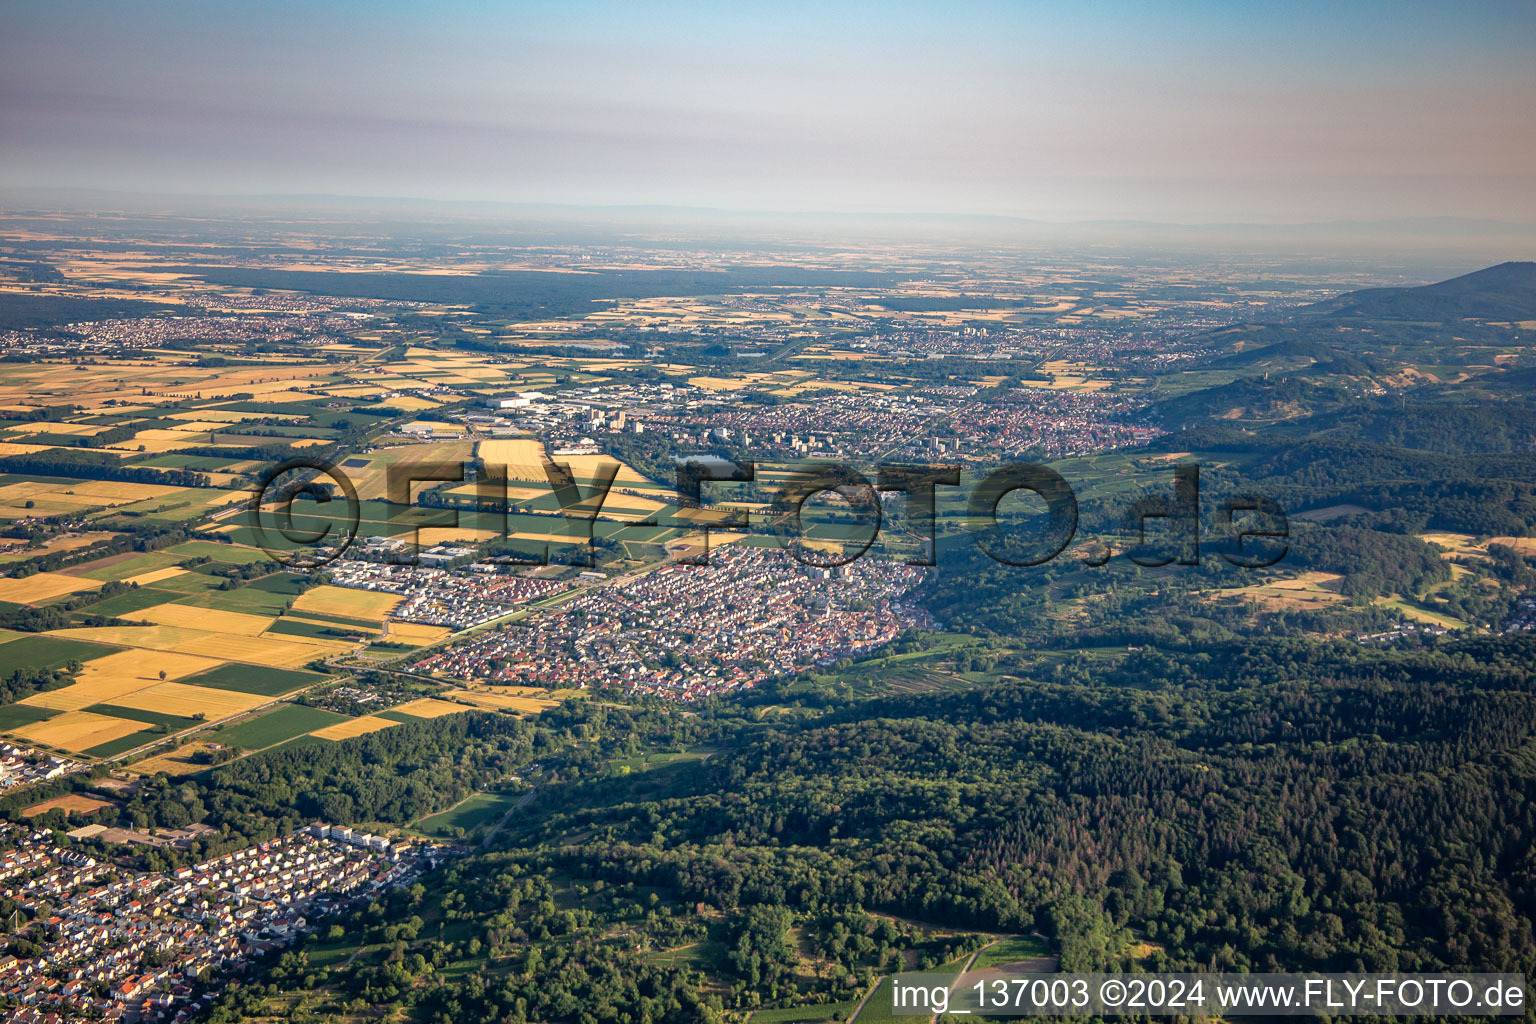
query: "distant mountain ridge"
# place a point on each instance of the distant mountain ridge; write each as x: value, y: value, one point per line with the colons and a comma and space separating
x: 1503, y: 292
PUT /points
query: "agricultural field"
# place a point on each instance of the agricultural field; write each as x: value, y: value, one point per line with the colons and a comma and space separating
x: 521, y: 458
x: 428, y: 708
x: 344, y: 603
x: 496, y: 700
x: 346, y: 730
x: 283, y: 723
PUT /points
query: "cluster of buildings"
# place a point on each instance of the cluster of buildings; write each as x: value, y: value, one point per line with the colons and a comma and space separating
x: 567, y: 416
x: 688, y: 632
x: 22, y: 766
x: 976, y: 342
x: 1041, y: 422
x: 1402, y: 631
x: 102, y: 336
x: 132, y: 946
x: 456, y: 598
x: 1523, y: 617
x: 820, y: 424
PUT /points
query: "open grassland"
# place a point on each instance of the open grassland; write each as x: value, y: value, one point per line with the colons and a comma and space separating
x: 478, y: 810
x: 176, y: 763
x: 1310, y: 591
x: 70, y: 803
x: 499, y: 701
x: 417, y: 633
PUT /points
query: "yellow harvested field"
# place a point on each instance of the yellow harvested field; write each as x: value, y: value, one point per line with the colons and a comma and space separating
x: 720, y: 383
x: 225, y: 416
x: 353, y: 727
x: 257, y: 650
x: 63, y: 542
x: 416, y: 632
x: 514, y: 493
x: 1524, y: 545
x: 254, y: 650
x: 143, y: 579
x: 117, y: 492
x: 77, y: 731
x: 205, y: 618
x: 103, y: 680
x: 12, y: 448
x: 186, y: 701
x: 1310, y: 591
x: 156, y: 638
x: 70, y: 803
x: 429, y: 708
x: 523, y: 457
x: 43, y: 586
x: 365, y: 605
x: 178, y: 762
x: 1454, y: 541
x: 372, y: 480
x: 502, y: 701
x: 411, y: 403
x: 584, y: 466
x: 427, y: 536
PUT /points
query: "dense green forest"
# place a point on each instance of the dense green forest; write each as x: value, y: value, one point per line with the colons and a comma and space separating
x: 1258, y: 804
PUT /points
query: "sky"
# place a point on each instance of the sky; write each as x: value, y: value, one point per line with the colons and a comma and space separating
x: 1273, y: 112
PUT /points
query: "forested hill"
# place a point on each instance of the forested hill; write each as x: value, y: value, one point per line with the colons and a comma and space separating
x: 1503, y: 292
x: 1253, y: 804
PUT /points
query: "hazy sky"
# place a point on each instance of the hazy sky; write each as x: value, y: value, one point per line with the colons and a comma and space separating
x: 1189, y: 112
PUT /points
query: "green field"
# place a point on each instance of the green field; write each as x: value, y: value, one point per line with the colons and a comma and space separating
x: 14, y: 716
x: 175, y: 723
x: 1009, y: 951
x: 480, y: 809
x: 123, y: 743
x: 40, y: 651
x: 265, y: 682
x: 878, y: 1009
x: 246, y: 599
x: 283, y: 722
x: 298, y: 627
x: 232, y: 553
x: 188, y: 583
x: 806, y: 1014
x: 124, y: 605
x: 134, y: 566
